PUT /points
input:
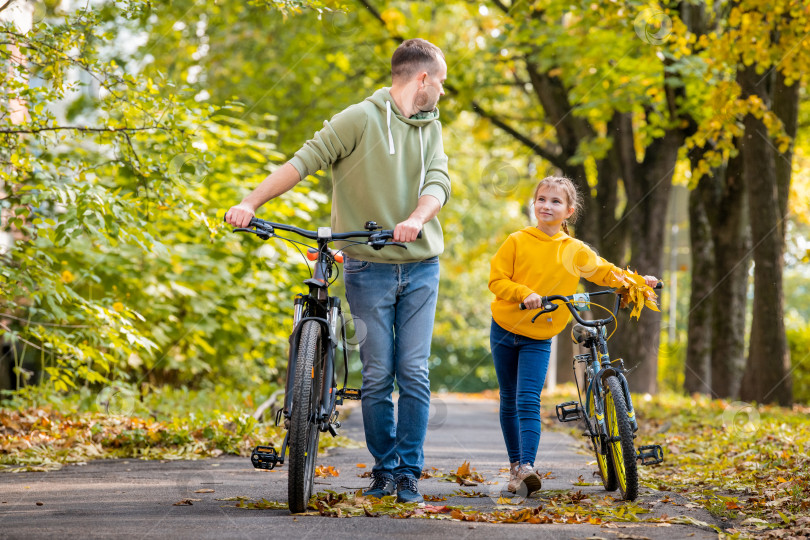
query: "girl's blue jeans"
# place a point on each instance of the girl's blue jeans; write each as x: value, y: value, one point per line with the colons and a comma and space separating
x: 396, y: 305
x: 521, y: 364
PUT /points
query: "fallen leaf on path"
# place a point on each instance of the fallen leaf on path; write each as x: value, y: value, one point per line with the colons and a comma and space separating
x: 322, y: 471
x: 186, y: 502
x: 205, y: 490
x: 465, y: 476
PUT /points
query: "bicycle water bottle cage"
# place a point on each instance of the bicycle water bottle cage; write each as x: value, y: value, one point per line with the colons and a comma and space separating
x: 582, y: 333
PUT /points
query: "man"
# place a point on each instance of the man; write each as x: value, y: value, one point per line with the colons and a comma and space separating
x: 388, y: 166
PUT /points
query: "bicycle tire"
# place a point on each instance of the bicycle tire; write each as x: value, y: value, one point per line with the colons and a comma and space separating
x: 605, y: 462
x: 304, y: 432
x: 620, y: 432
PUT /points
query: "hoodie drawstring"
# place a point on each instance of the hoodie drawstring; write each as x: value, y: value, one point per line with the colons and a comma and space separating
x: 392, y: 151
x: 390, y: 135
x: 422, y: 155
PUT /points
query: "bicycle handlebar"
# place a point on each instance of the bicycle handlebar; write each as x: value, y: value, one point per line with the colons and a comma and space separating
x: 549, y: 307
x: 377, y: 238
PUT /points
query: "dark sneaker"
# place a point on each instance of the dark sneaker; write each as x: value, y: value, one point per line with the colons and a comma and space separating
x: 407, y: 490
x: 382, y: 485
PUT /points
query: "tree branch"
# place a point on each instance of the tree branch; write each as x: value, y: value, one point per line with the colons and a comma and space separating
x: 503, y: 7
x: 4, y: 6
x: 77, y: 128
x: 373, y: 11
x: 551, y: 157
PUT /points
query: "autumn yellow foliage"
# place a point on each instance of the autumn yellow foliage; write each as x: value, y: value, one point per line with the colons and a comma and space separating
x: 634, y: 290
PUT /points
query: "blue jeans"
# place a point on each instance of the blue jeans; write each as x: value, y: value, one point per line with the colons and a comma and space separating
x: 521, y: 364
x: 397, y: 304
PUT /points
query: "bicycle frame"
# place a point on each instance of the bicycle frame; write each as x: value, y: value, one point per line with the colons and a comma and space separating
x: 316, y: 306
x: 604, y: 380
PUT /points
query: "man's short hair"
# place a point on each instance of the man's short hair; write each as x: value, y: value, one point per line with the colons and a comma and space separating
x: 412, y: 56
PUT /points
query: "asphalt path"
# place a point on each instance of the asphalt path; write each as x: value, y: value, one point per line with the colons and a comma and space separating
x: 136, y: 499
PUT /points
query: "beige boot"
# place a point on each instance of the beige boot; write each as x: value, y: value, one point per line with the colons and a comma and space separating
x: 528, y: 480
x: 514, y: 482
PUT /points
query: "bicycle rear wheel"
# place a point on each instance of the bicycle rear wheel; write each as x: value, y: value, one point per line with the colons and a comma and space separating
x: 604, y: 461
x: 304, y: 432
x: 620, y: 434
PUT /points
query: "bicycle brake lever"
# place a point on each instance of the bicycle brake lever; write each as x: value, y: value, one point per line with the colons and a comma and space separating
x: 398, y: 244
x: 264, y: 234
x: 548, y: 307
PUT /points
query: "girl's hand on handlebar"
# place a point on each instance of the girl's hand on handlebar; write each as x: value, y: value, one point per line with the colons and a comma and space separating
x: 240, y: 215
x: 407, y: 231
x: 651, y: 281
x: 533, y: 301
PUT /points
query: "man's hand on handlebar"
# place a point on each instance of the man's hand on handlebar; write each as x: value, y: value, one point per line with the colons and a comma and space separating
x: 533, y: 301
x: 408, y: 230
x: 240, y: 215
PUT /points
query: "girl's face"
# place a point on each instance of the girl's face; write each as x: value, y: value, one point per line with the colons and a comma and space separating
x: 551, y: 207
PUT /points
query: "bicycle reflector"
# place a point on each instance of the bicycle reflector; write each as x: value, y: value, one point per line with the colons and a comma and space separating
x: 312, y: 255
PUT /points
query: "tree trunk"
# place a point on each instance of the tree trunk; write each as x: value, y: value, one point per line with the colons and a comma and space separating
x: 732, y: 257
x: 647, y: 201
x: 565, y: 354
x: 767, y: 375
x: 697, y: 377
x: 786, y: 107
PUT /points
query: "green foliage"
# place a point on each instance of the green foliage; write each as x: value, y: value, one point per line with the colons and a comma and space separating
x: 799, y: 343
x: 119, y: 269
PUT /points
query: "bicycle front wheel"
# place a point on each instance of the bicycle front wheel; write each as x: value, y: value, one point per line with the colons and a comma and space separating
x: 304, y: 432
x: 604, y: 461
x: 620, y: 437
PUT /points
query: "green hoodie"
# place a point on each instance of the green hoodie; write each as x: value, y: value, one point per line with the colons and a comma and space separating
x: 381, y: 164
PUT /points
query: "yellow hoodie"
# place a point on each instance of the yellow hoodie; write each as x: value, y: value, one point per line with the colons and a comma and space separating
x: 531, y: 261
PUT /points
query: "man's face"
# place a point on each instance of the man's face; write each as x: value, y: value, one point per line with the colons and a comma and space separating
x: 431, y: 87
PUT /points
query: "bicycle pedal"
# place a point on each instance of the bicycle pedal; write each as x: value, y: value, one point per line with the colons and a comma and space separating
x: 265, y: 457
x: 332, y: 428
x: 650, y: 454
x: 569, y: 411
x: 348, y: 393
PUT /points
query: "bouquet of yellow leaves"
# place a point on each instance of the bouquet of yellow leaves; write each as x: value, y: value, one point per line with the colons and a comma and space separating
x: 634, y: 290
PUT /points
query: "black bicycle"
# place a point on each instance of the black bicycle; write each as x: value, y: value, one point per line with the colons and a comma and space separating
x: 607, y: 408
x: 311, y: 394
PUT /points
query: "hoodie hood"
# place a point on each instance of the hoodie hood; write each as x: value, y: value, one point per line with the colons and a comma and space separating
x: 540, y: 235
x: 383, y: 100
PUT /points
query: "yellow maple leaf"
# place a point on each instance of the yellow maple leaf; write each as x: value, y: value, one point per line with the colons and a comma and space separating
x: 634, y: 290
x: 464, y: 470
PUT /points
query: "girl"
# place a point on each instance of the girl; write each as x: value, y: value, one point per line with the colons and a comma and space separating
x: 535, y: 261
